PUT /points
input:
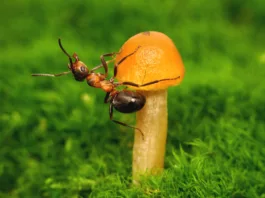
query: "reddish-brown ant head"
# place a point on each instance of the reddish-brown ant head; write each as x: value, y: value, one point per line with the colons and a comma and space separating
x: 78, y: 68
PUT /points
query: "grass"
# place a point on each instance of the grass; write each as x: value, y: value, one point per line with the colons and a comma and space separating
x: 55, y: 135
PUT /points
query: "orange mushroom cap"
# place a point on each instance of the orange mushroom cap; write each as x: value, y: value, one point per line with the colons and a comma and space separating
x: 156, y: 59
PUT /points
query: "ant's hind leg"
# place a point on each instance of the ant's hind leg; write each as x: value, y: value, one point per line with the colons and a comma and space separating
x: 121, y: 123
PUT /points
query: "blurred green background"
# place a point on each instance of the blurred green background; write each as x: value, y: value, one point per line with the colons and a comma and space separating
x: 55, y: 135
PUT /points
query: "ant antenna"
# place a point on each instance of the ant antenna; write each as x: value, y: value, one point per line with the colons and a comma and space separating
x: 63, y: 73
x: 70, y: 59
x: 52, y: 75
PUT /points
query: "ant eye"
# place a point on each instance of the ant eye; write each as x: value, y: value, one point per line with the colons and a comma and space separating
x: 83, y: 69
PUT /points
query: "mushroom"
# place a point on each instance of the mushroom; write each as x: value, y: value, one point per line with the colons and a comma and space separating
x: 156, y: 59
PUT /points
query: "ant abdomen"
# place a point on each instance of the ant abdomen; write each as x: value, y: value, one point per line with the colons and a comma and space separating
x: 128, y: 101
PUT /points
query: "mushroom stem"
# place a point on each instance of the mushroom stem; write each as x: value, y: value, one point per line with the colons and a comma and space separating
x: 148, y: 153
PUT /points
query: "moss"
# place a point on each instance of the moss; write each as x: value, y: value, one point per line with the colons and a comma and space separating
x: 55, y: 135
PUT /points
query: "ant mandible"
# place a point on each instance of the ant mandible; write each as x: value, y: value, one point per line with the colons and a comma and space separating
x: 124, y: 101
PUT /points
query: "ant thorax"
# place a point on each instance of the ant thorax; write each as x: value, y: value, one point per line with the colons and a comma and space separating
x: 97, y: 80
x: 94, y: 80
x: 107, y: 86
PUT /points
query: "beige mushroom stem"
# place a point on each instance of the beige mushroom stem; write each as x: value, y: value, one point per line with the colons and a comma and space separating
x: 148, y: 153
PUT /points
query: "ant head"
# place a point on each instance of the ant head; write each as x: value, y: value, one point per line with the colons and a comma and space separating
x: 78, y: 68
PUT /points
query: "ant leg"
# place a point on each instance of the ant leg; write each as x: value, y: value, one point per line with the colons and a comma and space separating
x: 99, y: 66
x: 123, y: 59
x: 121, y: 123
x: 107, y: 98
x: 104, y: 63
x: 149, y: 83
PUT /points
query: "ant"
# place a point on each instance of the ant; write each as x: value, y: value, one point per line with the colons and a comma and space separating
x: 124, y: 101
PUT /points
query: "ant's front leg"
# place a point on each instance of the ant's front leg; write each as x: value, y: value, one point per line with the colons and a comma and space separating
x: 104, y: 63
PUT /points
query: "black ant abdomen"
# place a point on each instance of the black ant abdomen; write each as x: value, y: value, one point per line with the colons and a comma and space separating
x: 128, y: 101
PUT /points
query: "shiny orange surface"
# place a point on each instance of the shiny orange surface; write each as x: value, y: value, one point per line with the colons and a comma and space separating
x: 156, y: 59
